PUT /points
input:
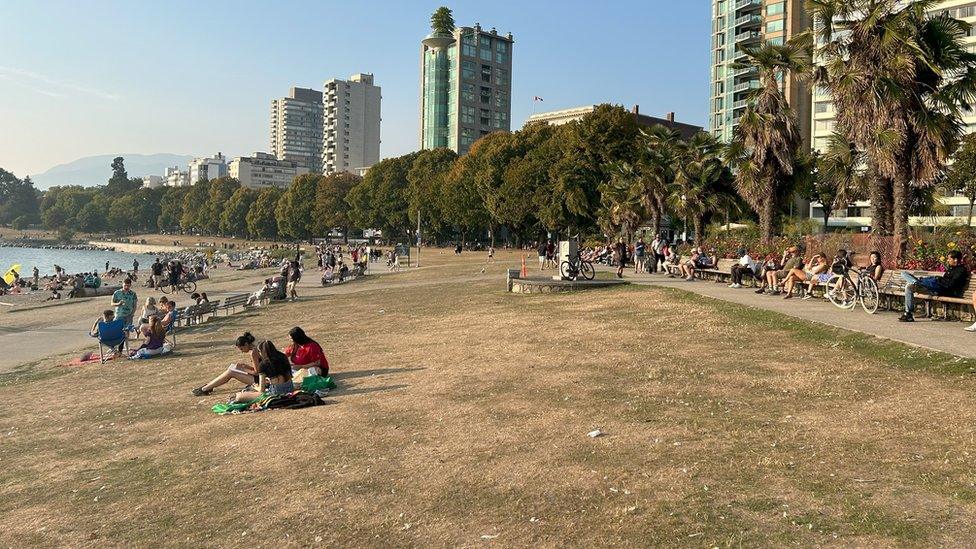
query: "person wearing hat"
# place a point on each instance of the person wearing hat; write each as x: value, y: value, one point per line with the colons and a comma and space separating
x: 745, y: 266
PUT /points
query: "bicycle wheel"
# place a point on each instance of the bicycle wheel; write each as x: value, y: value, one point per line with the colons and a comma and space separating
x: 839, y: 293
x: 587, y: 270
x: 164, y: 288
x: 566, y: 270
x: 189, y: 286
x: 870, y: 296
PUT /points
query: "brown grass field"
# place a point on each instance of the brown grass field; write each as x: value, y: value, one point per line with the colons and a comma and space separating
x: 462, y: 416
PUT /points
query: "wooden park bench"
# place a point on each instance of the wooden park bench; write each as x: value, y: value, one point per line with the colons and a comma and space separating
x: 235, y: 301
x: 892, y: 286
x: 721, y: 272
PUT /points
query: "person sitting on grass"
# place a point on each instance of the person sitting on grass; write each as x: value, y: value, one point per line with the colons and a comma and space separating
x: 817, y: 267
x: 274, y: 374
x: 108, y: 317
x: 950, y: 284
x: 155, y: 337
x: 245, y: 372
x: 149, y: 310
x: 305, y: 353
x: 55, y: 295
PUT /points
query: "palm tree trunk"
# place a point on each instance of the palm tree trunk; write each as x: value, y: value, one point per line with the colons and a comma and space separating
x: 699, y: 232
x: 969, y: 220
x: 766, y: 213
x: 899, y: 211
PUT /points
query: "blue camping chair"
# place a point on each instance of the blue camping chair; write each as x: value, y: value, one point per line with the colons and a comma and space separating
x: 111, y: 335
x: 171, y: 331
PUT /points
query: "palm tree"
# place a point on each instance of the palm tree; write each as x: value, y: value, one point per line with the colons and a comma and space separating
x: 767, y: 140
x: 899, y: 78
x: 837, y: 177
x: 658, y: 153
x: 699, y: 188
x: 621, y: 199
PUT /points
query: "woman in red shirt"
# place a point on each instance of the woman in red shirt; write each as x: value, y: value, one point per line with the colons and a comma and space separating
x: 306, y: 353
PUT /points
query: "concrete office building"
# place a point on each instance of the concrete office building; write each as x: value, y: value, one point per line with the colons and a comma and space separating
x: 296, y: 128
x: 465, y: 87
x: 858, y: 215
x: 207, y: 168
x: 175, y: 177
x: 264, y: 170
x: 737, y: 24
x: 351, y: 131
x: 565, y: 116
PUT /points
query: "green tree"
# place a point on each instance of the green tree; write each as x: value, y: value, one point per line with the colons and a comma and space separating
x: 261, y: 219
x: 331, y: 205
x: 834, y: 178
x: 659, y: 151
x: 219, y: 193
x: 961, y: 176
x: 171, y: 208
x: 767, y: 141
x: 196, y: 207
x: 899, y: 78
x: 442, y: 21
x: 18, y: 198
x: 120, y: 183
x: 61, y: 204
x: 621, y: 199
x: 426, y: 181
x: 296, y: 208
x: 702, y: 183
x: 233, y: 217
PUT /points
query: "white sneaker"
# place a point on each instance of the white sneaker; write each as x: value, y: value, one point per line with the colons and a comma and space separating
x: 736, y: 286
x: 971, y: 328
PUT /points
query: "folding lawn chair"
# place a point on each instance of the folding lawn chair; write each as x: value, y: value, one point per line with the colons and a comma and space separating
x: 112, y: 335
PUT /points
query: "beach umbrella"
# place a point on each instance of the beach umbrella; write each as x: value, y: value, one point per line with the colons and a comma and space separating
x: 9, y: 276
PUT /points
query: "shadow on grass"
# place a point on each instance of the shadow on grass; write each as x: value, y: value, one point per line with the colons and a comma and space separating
x: 859, y: 345
x: 341, y: 392
x: 340, y: 376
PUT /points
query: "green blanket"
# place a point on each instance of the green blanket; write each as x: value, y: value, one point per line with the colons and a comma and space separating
x: 234, y: 407
x: 309, y: 384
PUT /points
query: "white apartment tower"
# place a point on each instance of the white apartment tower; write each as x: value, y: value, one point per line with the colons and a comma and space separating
x: 351, y: 128
x: 207, y: 168
x: 296, y: 128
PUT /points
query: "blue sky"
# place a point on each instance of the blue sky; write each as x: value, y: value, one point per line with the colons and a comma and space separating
x: 99, y: 77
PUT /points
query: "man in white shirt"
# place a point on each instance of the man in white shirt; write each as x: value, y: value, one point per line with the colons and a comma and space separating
x: 745, y: 266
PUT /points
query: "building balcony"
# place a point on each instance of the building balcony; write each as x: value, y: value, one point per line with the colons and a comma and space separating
x: 740, y: 104
x: 753, y: 19
x: 747, y: 4
x: 747, y: 85
x: 746, y: 70
x: 747, y: 36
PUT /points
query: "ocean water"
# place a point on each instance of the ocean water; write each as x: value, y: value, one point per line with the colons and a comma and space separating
x: 73, y: 261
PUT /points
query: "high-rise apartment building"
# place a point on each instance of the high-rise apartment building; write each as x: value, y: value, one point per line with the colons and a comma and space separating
x: 739, y: 24
x: 465, y: 87
x: 296, y: 128
x: 351, y: 131
x: 858, y: 214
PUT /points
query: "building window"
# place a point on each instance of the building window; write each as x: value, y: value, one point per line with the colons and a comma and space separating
x: 467, y: 136
x: 485, y: 54
x: 467, y: 114
x: 774, y: 26
x: 501, y: 76
x: 501, y: 46
x: 467, y: 92
x: 501, y: 100
x: 469, y: 50
x: 778, y: 41
x: 500, y: 120
x: 485, y: 117
x: 485, y: 95
x: 467, y: 69
x: 776, y: 9
x: 486, y: 73
x: 821, y: 107
x: 501, y: 57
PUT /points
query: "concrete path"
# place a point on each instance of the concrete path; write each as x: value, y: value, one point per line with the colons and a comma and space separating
x: 948, y: 337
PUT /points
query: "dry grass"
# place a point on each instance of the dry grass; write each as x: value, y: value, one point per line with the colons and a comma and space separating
x: 462, y: 416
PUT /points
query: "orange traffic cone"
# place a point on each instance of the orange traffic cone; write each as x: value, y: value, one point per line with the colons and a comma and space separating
x: 525, y: 273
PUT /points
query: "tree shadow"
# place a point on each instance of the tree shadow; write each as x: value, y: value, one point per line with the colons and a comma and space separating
x: 341, y: 392
x: 339, y: 376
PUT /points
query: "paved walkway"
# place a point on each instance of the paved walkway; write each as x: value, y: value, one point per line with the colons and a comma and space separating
x: 948, y: 337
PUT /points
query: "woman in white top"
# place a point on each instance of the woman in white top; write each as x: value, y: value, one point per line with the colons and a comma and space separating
x: 817, y: 266
x: 149, y: 310
x: 745, y: 266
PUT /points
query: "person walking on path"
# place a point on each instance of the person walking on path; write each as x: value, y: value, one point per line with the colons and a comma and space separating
x: 135, y: 266
x: 639, y: 251
x: 124, y: 301
x: 294, y: 276
x: 620, y: 256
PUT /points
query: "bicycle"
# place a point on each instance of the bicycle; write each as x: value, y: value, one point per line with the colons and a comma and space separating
x: 184, y: 285
x: 579, y: 267
x: 845, y: 293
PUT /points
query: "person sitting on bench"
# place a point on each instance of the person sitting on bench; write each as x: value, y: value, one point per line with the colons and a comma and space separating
x: 818, y: 266
x: 745, y: 266
x: 688, y: 267
x: 791, y: 260
x: 973, y: 327
x: 950, y: 284
x: 874, y: 269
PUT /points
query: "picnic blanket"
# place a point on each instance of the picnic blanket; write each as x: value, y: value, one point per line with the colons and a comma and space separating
x: 289, y: 401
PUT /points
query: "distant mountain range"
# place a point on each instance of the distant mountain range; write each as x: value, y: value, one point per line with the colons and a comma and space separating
x: 96, y: 170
